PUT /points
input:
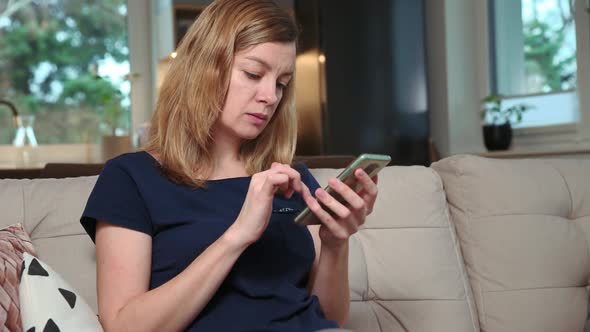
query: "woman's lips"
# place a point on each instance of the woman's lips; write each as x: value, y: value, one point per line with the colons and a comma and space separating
x: 257, y: 118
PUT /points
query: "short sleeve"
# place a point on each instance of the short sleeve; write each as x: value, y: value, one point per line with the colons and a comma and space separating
x: 307, y: 177
x: 116, y: 199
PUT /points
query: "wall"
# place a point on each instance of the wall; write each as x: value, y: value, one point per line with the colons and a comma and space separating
x: 309, y: 81
x: 283, y: 3
x: 375, y: 79
x: 437, y: 76
x: 140, y: 51
x: 455, y: 65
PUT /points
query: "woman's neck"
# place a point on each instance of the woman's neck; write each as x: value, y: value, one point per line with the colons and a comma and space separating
x: 226, y: 158
x: 227, y: 165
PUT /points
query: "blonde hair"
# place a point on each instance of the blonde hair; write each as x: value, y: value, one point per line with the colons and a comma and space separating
x: 194, y: 91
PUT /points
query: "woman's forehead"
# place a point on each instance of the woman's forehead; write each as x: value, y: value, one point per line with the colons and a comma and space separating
x: 270, y: 55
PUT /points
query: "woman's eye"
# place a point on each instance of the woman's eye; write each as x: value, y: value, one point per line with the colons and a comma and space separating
x: 281, y: 86
x: 252, y: 76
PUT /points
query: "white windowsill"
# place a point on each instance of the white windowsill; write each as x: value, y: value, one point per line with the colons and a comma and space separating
x: 552, y: 150
x: 546, y: 130
x: 12, y: 157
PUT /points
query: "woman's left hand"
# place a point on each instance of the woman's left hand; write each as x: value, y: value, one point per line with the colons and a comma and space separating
x: 346, y: 218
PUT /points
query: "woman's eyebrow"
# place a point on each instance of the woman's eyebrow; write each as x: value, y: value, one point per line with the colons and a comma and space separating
x: 266, y: 65
x: 259, y: 60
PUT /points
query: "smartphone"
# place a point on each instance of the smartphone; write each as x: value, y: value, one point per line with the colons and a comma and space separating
x: 370, y: 163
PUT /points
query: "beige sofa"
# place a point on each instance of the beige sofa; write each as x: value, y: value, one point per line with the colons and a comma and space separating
x: 470, y: 244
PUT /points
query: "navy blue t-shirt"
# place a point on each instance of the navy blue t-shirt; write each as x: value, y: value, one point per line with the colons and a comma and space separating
x: 266, y: 288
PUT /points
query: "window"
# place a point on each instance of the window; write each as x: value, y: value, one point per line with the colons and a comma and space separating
x: 534, y: 59
x: 66, y: 63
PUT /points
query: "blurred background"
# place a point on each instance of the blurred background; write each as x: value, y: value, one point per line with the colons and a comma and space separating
x: 408, y: 78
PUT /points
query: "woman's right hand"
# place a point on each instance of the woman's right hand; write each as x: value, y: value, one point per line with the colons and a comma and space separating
x: 255, y: 214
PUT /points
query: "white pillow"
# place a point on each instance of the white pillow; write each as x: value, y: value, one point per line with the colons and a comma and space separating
x: 48, y: 303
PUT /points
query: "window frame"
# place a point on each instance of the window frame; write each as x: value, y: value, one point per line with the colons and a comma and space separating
x: 571, y: 136
x: 504, y: 18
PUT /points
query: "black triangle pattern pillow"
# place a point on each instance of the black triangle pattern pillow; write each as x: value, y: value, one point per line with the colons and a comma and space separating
x: 49, y: 303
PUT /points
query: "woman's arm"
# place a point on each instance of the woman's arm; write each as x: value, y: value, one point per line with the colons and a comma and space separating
x: 123, y: 270
x: 329, y: 279
x: 329, y: 275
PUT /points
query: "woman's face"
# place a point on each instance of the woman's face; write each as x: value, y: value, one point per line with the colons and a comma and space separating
x: 259, y: 77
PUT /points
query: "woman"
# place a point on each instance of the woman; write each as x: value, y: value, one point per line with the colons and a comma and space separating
x: 196, y: 233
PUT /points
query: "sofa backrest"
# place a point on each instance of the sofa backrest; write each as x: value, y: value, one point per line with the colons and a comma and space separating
x: 50, y: 210
x: 406, y: 270
x: 524, y: 227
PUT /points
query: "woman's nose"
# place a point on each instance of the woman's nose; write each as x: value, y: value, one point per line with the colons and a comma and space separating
x: 268, y: 92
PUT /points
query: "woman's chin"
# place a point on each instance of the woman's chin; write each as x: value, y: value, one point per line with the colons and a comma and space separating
x: 250, y: 137
x: 249, y: 134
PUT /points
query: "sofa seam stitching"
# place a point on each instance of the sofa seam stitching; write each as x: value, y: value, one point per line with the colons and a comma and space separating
x: 462, y: 267
x: 376, y: 317
x: 460, y: 260
x: 468, y: 216
x: 408, y: 227
x: 527, y: 214
x: 587, y: 246
x: 59, y: 236
x: 533, y: 288
x: 392, y: 315
x: 366, y: 289
x: 412, y: 300
x: 571, y: 210
x: 24, y: 208
x: 474, y: 311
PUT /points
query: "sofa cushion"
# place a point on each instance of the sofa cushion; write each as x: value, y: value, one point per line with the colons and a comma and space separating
x: 50, y: 210
x: 11, y: 195
x: 405, y: 270
x: 14, y: 242
x: 523, y: 227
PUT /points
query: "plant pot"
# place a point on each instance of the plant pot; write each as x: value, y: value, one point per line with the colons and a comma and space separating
x: 497, y: 137
x: 113, y: 146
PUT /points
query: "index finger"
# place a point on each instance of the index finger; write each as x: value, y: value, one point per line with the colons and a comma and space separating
x: 369, y: 185
x: 294, y: 176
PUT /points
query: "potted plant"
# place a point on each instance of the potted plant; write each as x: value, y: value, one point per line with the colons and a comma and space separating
x: 497, y: 122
